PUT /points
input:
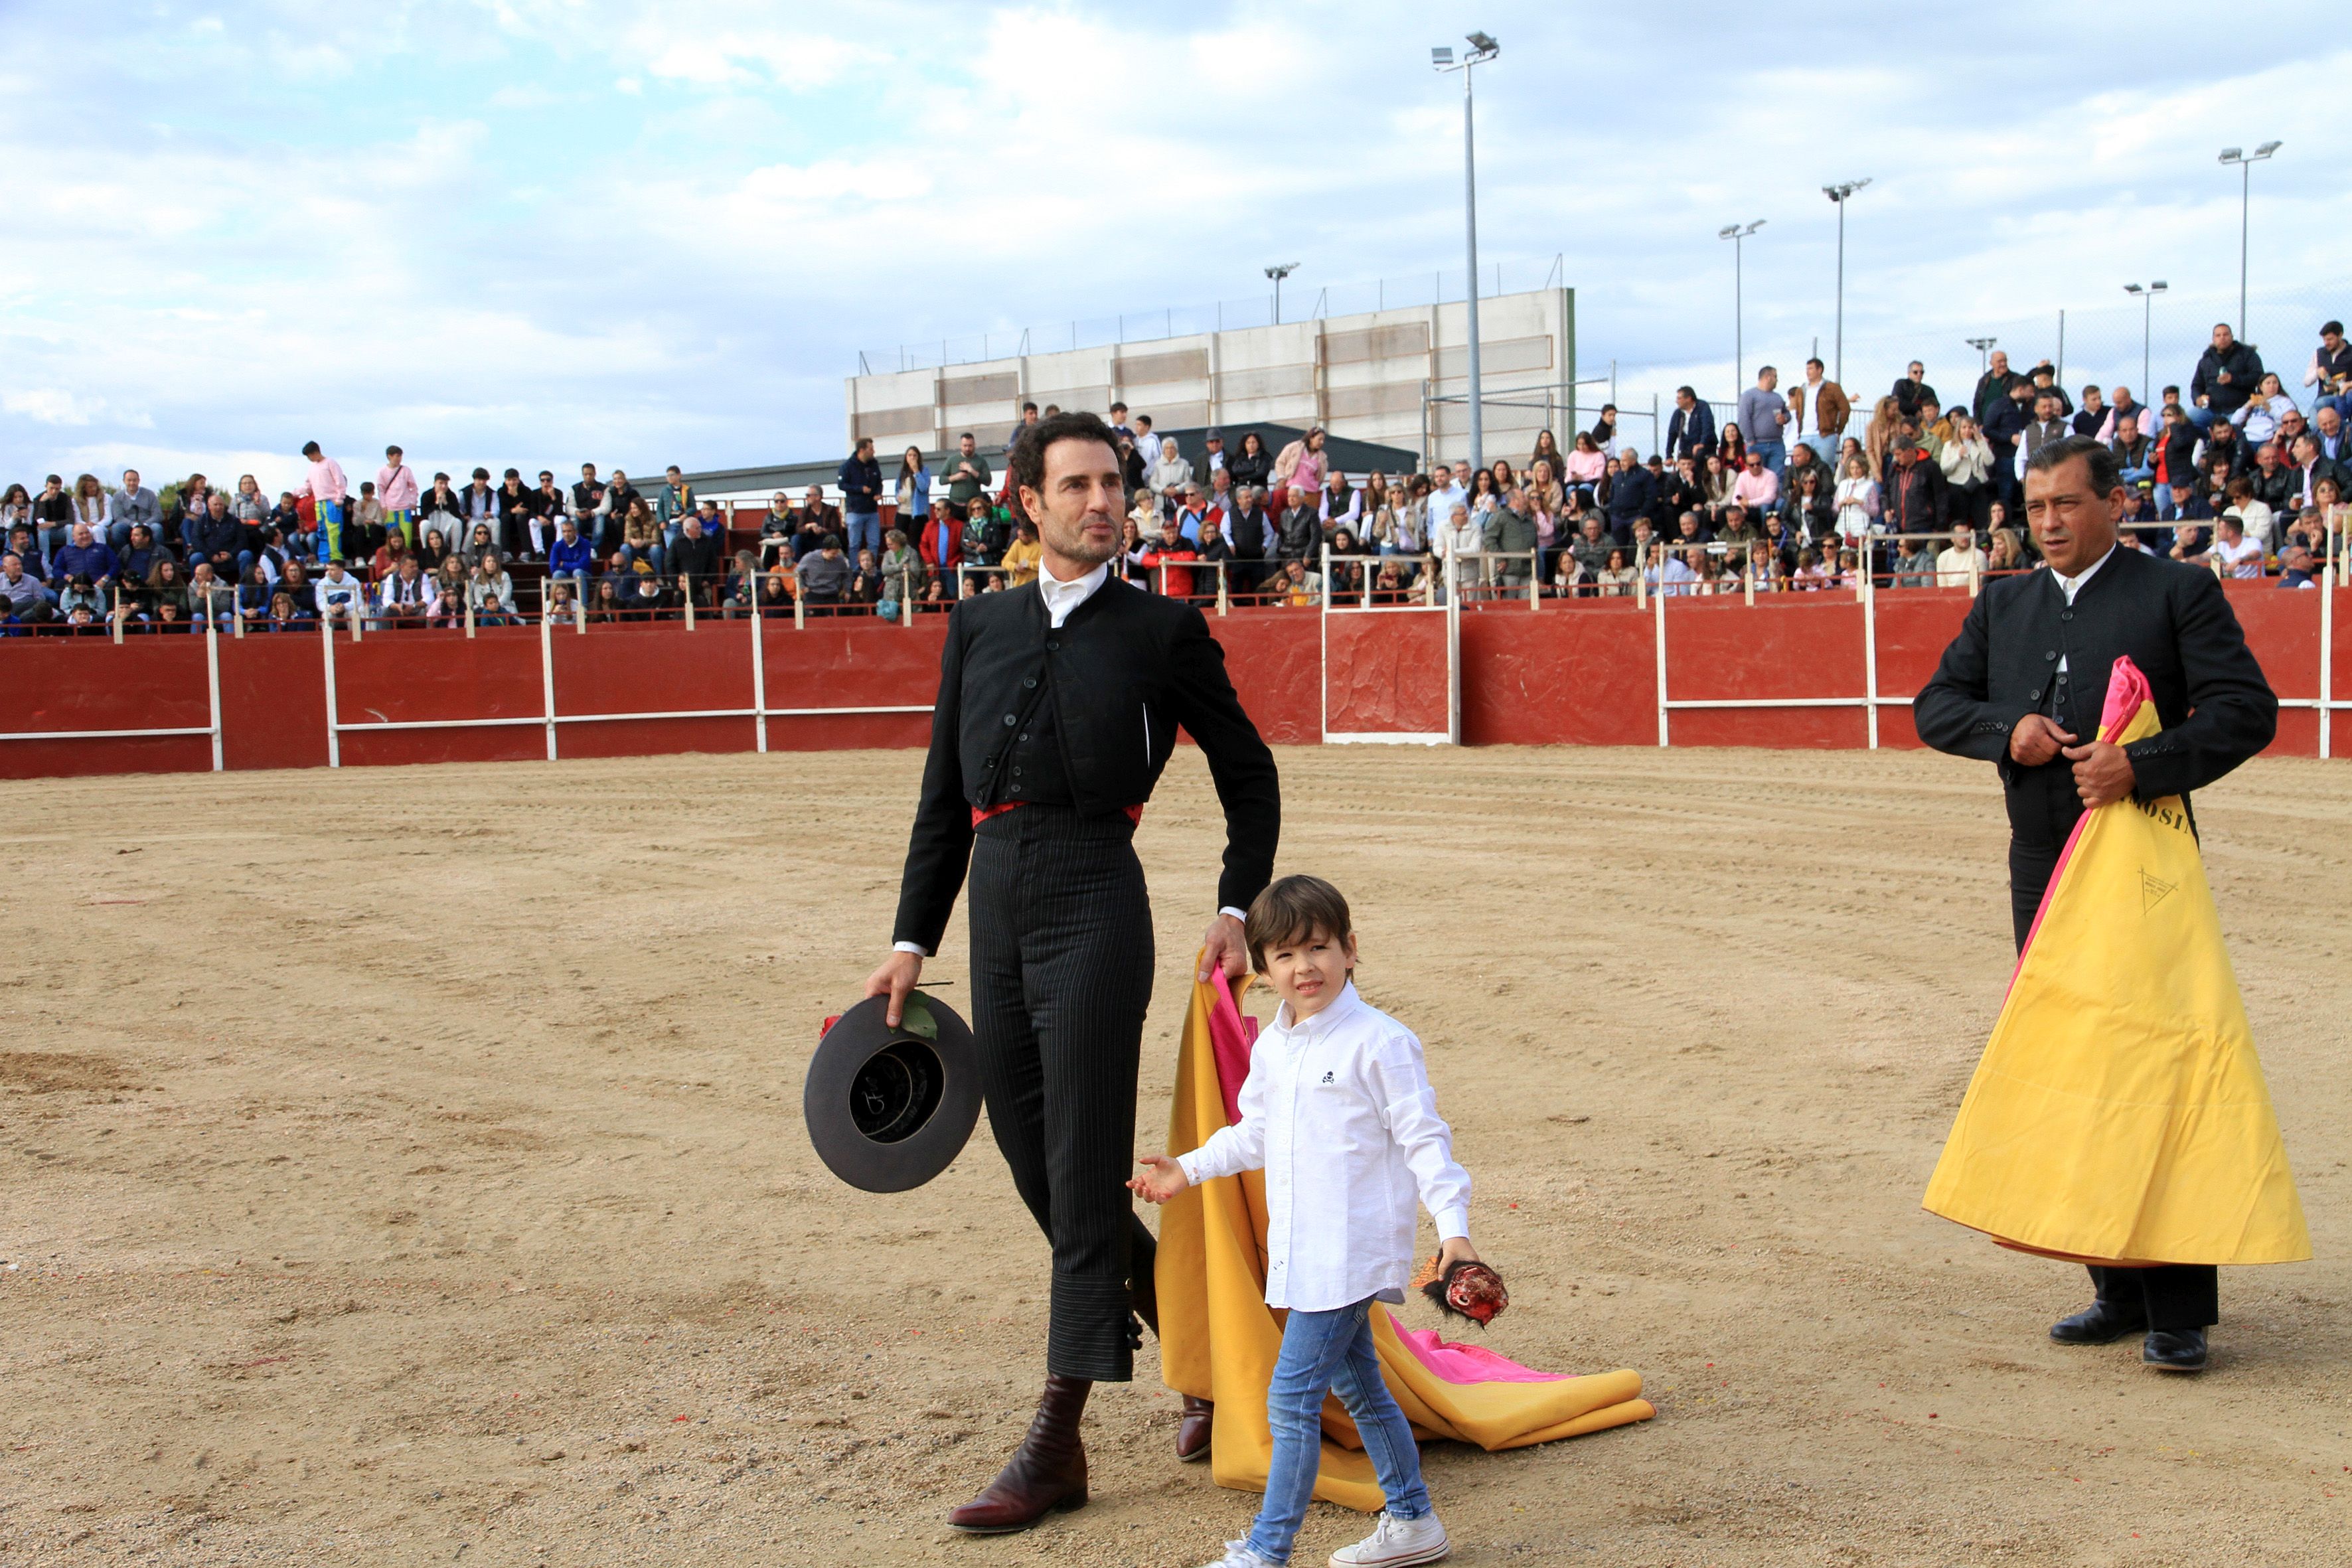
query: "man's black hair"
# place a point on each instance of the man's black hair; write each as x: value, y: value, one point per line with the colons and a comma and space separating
x: 309, y: 448
x: 1028, y: 459
x: 2099, y: 461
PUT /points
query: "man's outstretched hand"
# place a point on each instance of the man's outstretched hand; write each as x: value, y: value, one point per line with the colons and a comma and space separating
x: 895, y: 979
x: 1223, y: 950
x: 1166, y: 1180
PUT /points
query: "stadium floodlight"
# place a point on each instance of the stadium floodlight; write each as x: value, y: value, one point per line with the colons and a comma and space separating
x: 1984, y: 347
x: 1278, y: 274
x: 2147, y: 295
x: 1840, y: 194
x: 1737, y: 236
x: 1483, y: 47
x: 2245, y: 161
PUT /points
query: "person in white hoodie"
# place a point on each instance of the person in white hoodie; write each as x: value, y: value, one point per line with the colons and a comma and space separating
x: 1338, y: 1113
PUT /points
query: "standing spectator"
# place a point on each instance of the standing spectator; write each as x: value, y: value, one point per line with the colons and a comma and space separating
x: 1299, y: 533
x: 1912, y: 393
x: 912, y: 492
x: 1300, y: 464
x: 672, y: 503
x: 1212, y: 461
x: 2049, y: 425
x: 1254, y: 536
x: 1993, y: 387
x: 2228, y: 372
x: 903, y: 569
x: 968, y: 473
x: 1691, y: 432
x: 2331, y: 369
x: 327, y: 490
x: 396, y: 488
x: 1966, y: 464
x: 22, y: 598
x: 1161, y: 560
x: 134, y: 502
x: 1169, y: 473
x: 2120, y: 408
x: 2004, y: 426
x: 1147, y: 442
x: 1912, y: 500
x: 1763, y: 414
x: 1857, y: 499
x: 1961, y: 561
x: 1028, y: 418
x: 860, y: 478
x: 1633, y: 492
x: 1118, y: 425
x: 1604, y: 428
x: 2092, y: 417
x: 1818, y: 410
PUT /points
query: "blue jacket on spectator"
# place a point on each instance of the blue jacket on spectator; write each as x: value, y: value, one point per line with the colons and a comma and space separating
x: 567, y: 555
x: 97, y: 559
x: 861, y: 485
x: 1631, y: 494
x: 2006, y: 421
x: 1688, y: 435
x: 217, y: 536
x: 2245, y: 368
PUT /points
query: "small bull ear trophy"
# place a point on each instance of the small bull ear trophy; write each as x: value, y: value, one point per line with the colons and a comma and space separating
x: 889, y: 1109
x: 1466, y: 1290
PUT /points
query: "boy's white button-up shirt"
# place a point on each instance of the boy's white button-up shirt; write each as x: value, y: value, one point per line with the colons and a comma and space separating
x: 1339, y: 1112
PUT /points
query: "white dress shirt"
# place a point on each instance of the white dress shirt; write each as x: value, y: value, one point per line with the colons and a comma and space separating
x: 1061, y: 598
x: 2070, y: 586
x: 1339, y: 1112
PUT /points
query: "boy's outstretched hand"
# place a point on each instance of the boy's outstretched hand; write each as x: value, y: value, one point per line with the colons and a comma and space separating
x: 1166, y: 1180
x: 1456, y: 1250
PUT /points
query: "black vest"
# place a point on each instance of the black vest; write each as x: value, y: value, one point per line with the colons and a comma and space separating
x: 1030, y: 766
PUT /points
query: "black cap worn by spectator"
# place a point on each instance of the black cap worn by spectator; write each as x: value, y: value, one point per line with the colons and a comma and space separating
x: 889, y: 1109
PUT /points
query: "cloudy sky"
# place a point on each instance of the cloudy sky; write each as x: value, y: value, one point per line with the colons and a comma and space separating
x: 539, y: 231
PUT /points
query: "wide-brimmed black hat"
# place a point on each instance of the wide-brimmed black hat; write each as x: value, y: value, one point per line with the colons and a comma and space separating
x: 889, y: 1109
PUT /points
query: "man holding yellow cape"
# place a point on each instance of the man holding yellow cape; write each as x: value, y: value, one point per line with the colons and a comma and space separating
x: 2118, y: 1117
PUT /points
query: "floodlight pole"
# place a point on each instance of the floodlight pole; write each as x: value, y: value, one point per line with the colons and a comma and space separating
x: 1481, y: 49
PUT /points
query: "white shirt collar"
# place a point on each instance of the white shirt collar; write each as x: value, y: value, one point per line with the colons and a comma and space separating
x: 1061, y: 597
x: 1341, y: 1005
x: 2070, y: 586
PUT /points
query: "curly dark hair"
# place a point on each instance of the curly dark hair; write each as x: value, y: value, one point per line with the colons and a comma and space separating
x: 1028, y: 459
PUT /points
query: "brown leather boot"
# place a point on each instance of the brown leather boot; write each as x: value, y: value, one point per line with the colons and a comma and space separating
x: 1047, y: 1471
x: 1193, y: 1431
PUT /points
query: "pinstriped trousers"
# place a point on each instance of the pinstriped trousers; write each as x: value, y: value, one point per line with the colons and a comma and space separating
x: 1061, y: 977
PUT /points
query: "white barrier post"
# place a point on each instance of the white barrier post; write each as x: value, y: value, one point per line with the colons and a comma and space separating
x: 1975, y: 577
x: 1535, y: 579
x: 212, y: 682
x: 469, y: 610
x: 685, y: 586
x: 547, y: 678
x: 327, y: 651
x: 800, y: 605
x: 115, y: 615
x: 1224, y: 600
x: 1748, y: 577
x: 1870, y: 645
x: 1658, y: 607
x: 2327, y: 655
x: 759, y: 678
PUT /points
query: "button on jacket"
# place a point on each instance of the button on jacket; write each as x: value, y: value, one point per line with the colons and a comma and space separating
x: 1339, y: 1112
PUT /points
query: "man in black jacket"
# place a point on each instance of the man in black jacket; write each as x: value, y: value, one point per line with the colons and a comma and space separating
x: 2227, y: 375
x: 1691, y: 432
x: 2022, y: 687
x: 1059, y: 707
x: 698, y: 560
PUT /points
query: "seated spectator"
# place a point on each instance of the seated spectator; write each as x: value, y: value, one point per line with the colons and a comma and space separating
x: 902, y: 567
x: 489, y: 592
x: 698, y: 561
x: 2296, y: 568
x: 825, y: 577
x: 2257, y: 419
x: 2240, y: 555
x: 570, y: 558
x: 2257, y: 519
x: 866, y: 581
x: 1914, y: 565
x: 1681, y: 573
x: 1961, y: 562
x: 81, y: 593
x: 642, y: 594
x: 1757, y: 486
x: 432, y: 551
x: 211, y: 598
x: 85, y: 557
x: 403, y: 598
x: 1616, y: 575
x: 2008, y: 553
x: 285, y: 616
x: 340, y: 595
x: 446, y: 596
x: 1295, y: 585
x: 253, y: 591
x: 1392, y: 583
x: 606, y: 605
x: 563, y: 604
x: 2191, y: 544
x: 22, y: 600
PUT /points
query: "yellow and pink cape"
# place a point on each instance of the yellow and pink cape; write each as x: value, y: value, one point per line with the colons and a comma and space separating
x: 2120, y: 1114
x: 1219, y: 1339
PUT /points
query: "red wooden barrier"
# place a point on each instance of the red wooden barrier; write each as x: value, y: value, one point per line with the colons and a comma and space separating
x: 1583, y: 674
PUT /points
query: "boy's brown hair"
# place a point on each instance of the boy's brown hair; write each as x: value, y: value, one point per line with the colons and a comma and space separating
x: 1292, y: 909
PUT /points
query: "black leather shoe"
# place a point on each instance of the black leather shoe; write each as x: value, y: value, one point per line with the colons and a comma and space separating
x: 2100, y: 1323
x: 2175, y: 1350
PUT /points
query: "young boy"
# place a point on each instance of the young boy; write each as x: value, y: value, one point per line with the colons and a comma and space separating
x: 1338, y: 1111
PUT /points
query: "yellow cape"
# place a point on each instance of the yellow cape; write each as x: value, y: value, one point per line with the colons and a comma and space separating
x: 2119, y: 1113
x: 1219, y: 1339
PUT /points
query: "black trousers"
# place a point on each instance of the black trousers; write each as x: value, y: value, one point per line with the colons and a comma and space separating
x: 2174, y: 1296
x: 1061, y: 977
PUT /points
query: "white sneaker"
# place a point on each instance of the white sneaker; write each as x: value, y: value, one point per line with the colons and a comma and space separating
x: 1239, y: 1556
x: 1397, y: 1544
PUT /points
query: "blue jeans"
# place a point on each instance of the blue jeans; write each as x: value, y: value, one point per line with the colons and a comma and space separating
x: 1323, y: 1353
x: 1774, y: 452
x: 864, y: 533
x: 330, y: 530
x: 1825, y: 447
x: 2202, y: 417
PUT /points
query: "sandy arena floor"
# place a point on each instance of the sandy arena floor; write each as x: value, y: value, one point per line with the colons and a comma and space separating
x: 406, y: 1166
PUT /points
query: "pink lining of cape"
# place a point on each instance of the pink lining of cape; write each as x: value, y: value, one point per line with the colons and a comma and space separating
x: 2128, y: 688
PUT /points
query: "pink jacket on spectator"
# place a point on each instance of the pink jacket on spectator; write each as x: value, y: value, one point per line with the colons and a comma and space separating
x: 326, y: 482
x: 396, y: 488
x: 1760, y: 488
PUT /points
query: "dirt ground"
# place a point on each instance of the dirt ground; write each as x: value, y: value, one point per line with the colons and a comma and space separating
x: 406, y: 1166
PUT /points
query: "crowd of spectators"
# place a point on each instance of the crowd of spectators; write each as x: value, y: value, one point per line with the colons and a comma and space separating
x: 1798, y: 490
